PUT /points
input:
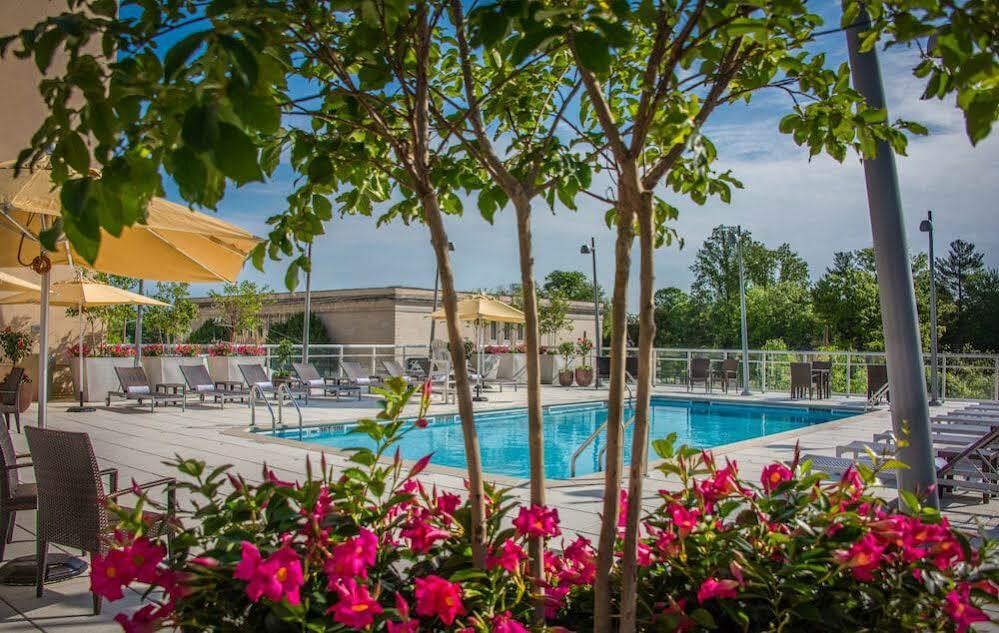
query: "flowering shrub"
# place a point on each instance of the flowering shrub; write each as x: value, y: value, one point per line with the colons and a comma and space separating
x: 521, y: 348
x: 15, y: 344
x: 153, y: 350
x: 73, y: 351
x: 221, y: 349
x: 250, y: 350
x: 547, y: 349
x: 371, y: 547
x: 584, y: 347
x: 496, y: 349
x: 187, y: 351
x: 116, y: 350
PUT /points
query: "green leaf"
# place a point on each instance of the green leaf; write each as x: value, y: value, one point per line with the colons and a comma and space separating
x: 323, y: 207
x: 788, y: 123
x: 201, y: 127
x: 291, y: 281
x: 593, y: 51
x: 74, y: 151
x: 190, y: 173
x: 321, y: 170
x: 235, y: 155
x: 247, y: 69
x: 493, y: 27
x: 176, y: 58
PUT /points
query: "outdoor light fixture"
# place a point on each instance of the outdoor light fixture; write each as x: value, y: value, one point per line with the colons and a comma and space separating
x: 735, y: 238
x: 591, y: 249
x: 926, y: 226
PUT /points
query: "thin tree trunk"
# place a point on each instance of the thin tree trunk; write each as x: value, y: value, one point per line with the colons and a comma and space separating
x: 463, y: 393
x: 615, y: 407
x: 522, y: 205
x: 640, y: 438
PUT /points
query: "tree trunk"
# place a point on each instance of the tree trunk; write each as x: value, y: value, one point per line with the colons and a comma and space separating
x: 463, y: 392
x: 522, y: 204
x: 615, y: 407
x: 640, y: 438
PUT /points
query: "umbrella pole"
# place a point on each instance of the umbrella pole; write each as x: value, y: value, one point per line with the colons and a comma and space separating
x: 478, y: 362
x: 82, y: 408
x: 43, y: 351
x: 138, y: 330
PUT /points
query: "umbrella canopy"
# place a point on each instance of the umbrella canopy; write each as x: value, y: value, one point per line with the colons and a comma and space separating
x: 174, y: 244
x: 86, y: 294
x: 9, y: 283
x: 483, y: 308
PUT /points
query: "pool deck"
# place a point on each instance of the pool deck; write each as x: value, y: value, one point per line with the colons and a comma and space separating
x: 137, y: 442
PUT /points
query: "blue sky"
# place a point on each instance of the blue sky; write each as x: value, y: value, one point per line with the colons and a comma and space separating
x: 817, y: 206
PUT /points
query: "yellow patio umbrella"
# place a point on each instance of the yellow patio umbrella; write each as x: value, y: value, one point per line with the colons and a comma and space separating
x: 10, y: 283
x: 80, y: 294
x: 479, y: 309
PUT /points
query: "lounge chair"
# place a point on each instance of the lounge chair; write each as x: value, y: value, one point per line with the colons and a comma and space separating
x: 489, y: 365
x: 877, y: 382
x: 442, y: 380
x: 255, y: 376
x: 700, y: 371
x: 135, y: 386
x: 311, y: 379
x: 10, y: 397
x: 822, y: 377
x: 72, y: 503
x: 729, y: 372
x: 395, y: 370
x: 14, y: 494
x: 801, y: 380
x: 355, y: 375
x: 199, y: 381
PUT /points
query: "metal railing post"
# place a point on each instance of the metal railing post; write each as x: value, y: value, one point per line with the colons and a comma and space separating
x: 995, y: 390
x: 943, y: 379
x: 849, y: 379
x: 374, y: 359
x: 763, y: 372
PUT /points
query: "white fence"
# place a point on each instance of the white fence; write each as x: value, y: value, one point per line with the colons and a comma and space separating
x: 962, y: 376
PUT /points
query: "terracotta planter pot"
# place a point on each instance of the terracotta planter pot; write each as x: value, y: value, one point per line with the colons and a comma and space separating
x: 26, y: 396
x: 565, y: 377
x: 584, y: 377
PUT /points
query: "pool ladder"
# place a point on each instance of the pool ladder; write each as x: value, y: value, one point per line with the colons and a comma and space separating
x: 598, y: 431
x: 257, y: 394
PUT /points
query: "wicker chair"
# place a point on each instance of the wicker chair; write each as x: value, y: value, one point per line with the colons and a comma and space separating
x: 14, y: 495
x: 72, y: 502
x: 10, y: 396
x: 801, y: 380
x: 822, y: 379
x: 700, y: 371
x: 729, y: 372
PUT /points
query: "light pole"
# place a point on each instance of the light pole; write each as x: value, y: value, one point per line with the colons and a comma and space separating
x: 308, y: 308
x: 433, y: 321
x: 591, y: 249
x: 926, y: 226
x: 737, y: 236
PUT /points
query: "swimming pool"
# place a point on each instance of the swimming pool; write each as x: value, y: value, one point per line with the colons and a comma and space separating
x: 505, y: 447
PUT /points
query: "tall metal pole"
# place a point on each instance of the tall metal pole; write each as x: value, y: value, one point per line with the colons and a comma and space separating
x: 308, y: 308
x: 903, y: 350
x: 926, y: 226
x: 138, y: 329
x: 43, y: 351
x: 596, y: 312
x: 742, y: 314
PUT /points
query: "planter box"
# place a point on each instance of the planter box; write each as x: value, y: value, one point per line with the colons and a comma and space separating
x: 166, y: 369
x: 227, y: 367
x: 551, y: 365
x: 98, y: 376
x: 473, y: 364
x: 513, y: 366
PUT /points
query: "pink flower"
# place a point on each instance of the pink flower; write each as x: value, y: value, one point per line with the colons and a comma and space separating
x: 438, y: 597
x: 863, y: 557
x: 622, y: 515
x: 352, y: 557
x: 508, y: 557
x: 684, y: 519
x: 504, y: 623
x: 851, y: 479
x: 554, y: 600
x: 109, y: 573
x: 674, y: 614
x: 421, y: 535
x: 448, y: 503
x: 405, y: 625
x: 957, y: 604
x: 774, y: 475
x: 355, y: 608
x: 421, y: 423
x: 717, y: 589
x: 145, y: 620
x: 145, y: 558
x: 280, y: 576
x: 537, y: 521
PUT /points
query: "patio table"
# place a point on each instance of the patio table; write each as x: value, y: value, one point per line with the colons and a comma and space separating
x: 824, y: 382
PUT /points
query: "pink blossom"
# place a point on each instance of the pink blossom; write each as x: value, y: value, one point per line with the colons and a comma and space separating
x: 355, y: 608
x: 145, y: 620
x: 504, y: 623
x: 508, y: 557
x: 145, y: 558
x: 438, y: 597
x: 405, y: 625
x: 554, y: 600
x: 622, y: 515
x: 717, y: 589
x: 421, y: 534
x: 537, y: 521
x: 957, y: 605
x: 681, y: 621
x: 774, y: 475
x: 448, y: 503
x: 684, y: 519
x: 863, y: 557
x: 277, y: 577
x: 352, y: 557
x: 110, y: 573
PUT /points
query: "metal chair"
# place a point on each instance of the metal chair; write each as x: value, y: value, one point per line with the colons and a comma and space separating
x: 10, y: 396
x: 72, y: 502
x: 14, y: 494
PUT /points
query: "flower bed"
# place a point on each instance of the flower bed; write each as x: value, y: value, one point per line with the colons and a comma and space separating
x: 370, y: 546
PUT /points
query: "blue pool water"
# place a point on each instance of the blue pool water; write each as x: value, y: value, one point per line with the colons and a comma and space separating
x: 505, y: 447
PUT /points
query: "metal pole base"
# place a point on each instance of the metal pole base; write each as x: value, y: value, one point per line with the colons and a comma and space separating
x: 21, y: 571
x: 478, y: 395
x: 81, y: 408
x: 746, y: 392
x: 935, y: 403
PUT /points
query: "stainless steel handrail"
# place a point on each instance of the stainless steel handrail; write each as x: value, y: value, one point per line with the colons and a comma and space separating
x: 593, y: 436
x: 603, y: 449
x: 284, y: 388
x: 257, y: 390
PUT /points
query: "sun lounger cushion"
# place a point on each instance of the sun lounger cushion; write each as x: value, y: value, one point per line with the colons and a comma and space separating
x: 317, y: 382
x: 204, y: 388
x: 264, y: 384
x: 362, y: 381
x: 138, y: 389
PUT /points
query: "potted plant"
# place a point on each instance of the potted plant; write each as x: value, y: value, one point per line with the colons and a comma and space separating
x: 16, y: 345
x: 567, y: 350
x: 225, y: 358
x: 98, y: 368
x: 163, y: 362
x: 584, y: 373
x: 282, y: 363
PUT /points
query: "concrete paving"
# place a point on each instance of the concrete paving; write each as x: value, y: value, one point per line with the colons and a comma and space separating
x: 137, y: 442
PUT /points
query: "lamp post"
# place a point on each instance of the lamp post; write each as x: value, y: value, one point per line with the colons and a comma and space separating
x: 926, y: 226
x: 591, y: 249
x: 737, y: 237
x: 433, y: 322
x: 308, y: 308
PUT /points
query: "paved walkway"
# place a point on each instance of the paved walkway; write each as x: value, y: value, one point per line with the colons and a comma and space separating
x: 137, y: 442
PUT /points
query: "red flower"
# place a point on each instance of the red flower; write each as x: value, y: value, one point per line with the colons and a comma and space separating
x: 537, y: 521
x: 356, y: 608
x: 421, y: 535
x: 438, y: 597
x: 448, y: 503
x: 405, y: 625
x: 774, y: 475
x: 957, y: 604
x: 509, y: 557
x: 352, y: 558
x: 717, y: 589
x: 684, y: 519
x: 145, y: 620
x: 280, y: 576
x: 504, y: 623
x: 111, y: 572
x: 145, y: 557
x: 863, y: 557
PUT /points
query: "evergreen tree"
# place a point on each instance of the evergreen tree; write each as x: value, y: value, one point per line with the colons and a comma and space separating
x: 961, y: 262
